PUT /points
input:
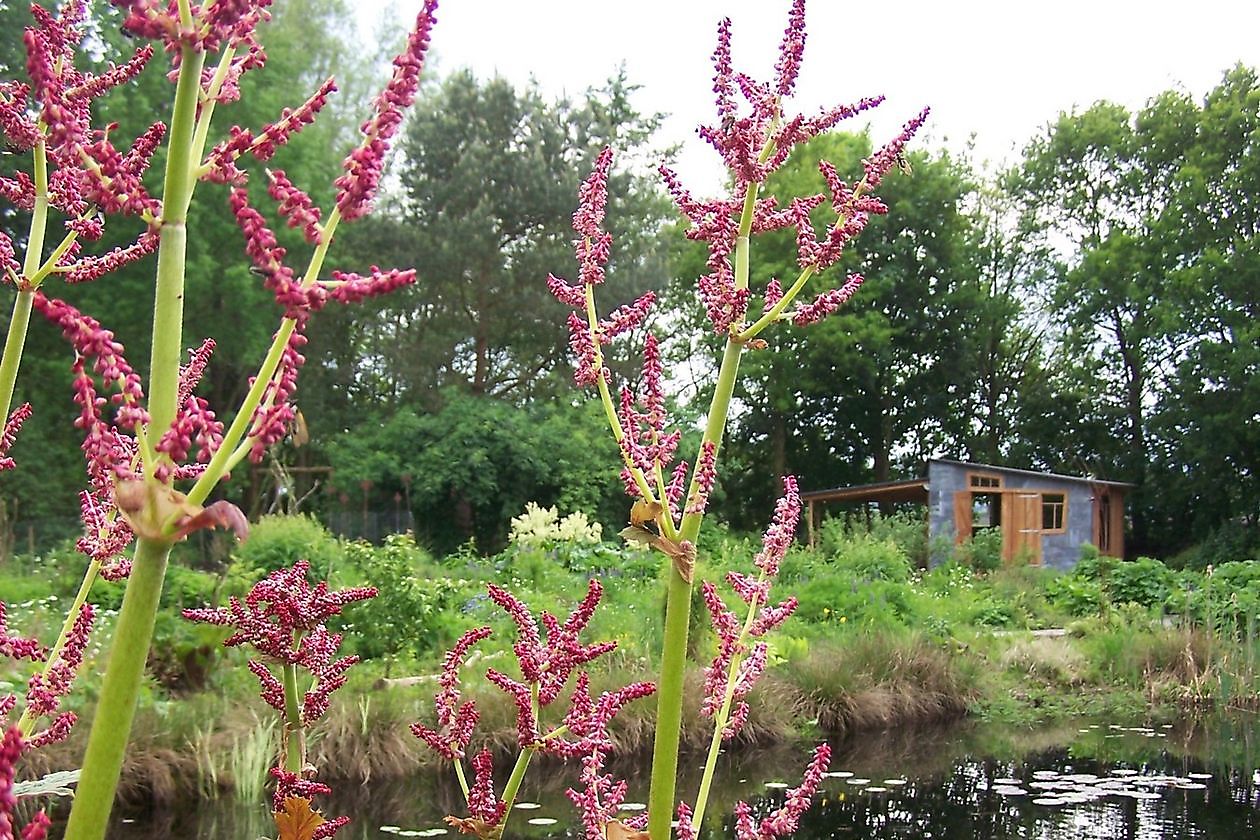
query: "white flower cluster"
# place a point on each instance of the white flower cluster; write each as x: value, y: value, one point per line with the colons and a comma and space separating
x: 539, y: 526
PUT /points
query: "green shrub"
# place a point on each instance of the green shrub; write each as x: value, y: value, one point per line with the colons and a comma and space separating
x: 981, y: 552
x: 870, y: 559
x: 906, y: 530
x: 279, y: 541
x: 409, y: 613
x: 995, y: 613
x: 1076, y: 595
x: 1142, y: 581
x: 1094, y: 566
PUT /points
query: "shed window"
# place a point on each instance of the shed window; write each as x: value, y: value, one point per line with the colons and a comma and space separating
x: 1053, y: 507
x: 978, y: 480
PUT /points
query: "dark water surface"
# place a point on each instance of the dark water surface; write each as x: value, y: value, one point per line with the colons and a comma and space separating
x: 1191, y: 780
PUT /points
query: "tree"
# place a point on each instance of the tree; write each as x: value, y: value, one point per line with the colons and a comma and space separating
x: 488, y: 178
x: 471, y: 466
x: 878, y: 386
x: 1101, y: 180
x: 306, y: 39
x: 1206, y: 430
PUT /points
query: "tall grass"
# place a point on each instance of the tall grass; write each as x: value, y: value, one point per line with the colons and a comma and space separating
x: 882, y: 679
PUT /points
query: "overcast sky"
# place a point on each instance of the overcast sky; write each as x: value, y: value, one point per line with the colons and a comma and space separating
x: 996, y: 70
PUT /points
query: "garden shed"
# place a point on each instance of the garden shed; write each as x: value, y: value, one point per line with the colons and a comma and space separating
x: 1043, y: 517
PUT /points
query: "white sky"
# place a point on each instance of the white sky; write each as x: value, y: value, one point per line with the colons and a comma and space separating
x: 998, y: 70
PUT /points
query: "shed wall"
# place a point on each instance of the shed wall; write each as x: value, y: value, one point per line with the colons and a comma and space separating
x: 1058, y: 551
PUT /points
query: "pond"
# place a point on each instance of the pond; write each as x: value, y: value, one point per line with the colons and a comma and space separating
x: 1083, y: 779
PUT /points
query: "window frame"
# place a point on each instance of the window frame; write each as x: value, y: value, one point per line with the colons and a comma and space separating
x: 1050, y: 507
x: 976, y: 481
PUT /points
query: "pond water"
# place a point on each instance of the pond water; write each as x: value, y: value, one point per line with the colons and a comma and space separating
x: 1083, y: 779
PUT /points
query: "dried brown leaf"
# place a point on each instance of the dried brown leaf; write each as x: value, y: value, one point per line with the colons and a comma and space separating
x: 297, y: 821
x: 617, y: 830
x: 642, y: 512
x: 682, y: 554
x: 148, y: 507
x: 472, y: 825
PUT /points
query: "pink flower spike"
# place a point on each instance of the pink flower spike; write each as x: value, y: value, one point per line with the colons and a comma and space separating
x: 11, y: 748
x: 550, y: 662
x: 567, y: 294
x: 723, y: 73
x: 279, y: 608
x: 357, y: 187
x: 786, y: 819
x: 91, y: 268
x: 105, y: 533
x: 455, y: 720
x: 626, y: 318
x: 191, y: 373
x: 16, y: 647
x: 593, y: 198
x: 352, y: 288
x: 791, y: 50
x: 94, y: 86
x: 11, y: 428
x: 685, y: 830
x: 677, y: 485
x: 782, y: 530
x: 600, y: 798
x: 45, y: 691
x: 16, y: 124
x: 482, y: 802
x: 879, y: 164
x: 295, y: 205
x: 587, y: 370
x: 221, y: 160
x: 706, y: 475
x: 827, y: 302
x: 272, y: 691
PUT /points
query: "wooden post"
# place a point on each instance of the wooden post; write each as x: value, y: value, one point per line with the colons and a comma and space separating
x: 809, y: 522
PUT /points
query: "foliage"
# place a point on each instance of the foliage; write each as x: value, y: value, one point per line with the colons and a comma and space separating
x: 1153, y: 300
x: 872, y: 379
x: 278, y: 541
x: 906, y: 529
x: 468, y: 468
x: 981, y: 551
x: 410, y: 615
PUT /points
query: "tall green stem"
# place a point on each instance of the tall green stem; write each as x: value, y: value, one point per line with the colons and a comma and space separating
x: 15, y: 341
x: 13, y: 345
x: 294, y: 734
x: 168, y: 301
x: 26, y: 724
x: 723, y: 716
x: 513, y: 785
x: 678, y: 597
x: 111, y: 726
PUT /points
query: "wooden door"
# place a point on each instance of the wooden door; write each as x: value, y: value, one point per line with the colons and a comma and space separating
x: 1021, y: 532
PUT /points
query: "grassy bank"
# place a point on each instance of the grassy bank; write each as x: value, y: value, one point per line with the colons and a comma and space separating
x: 876, y: 643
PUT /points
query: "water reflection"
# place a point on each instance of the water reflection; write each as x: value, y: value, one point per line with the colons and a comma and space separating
x: 948, y: 783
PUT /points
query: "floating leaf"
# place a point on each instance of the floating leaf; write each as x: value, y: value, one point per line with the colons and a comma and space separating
x: 297, y: 821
